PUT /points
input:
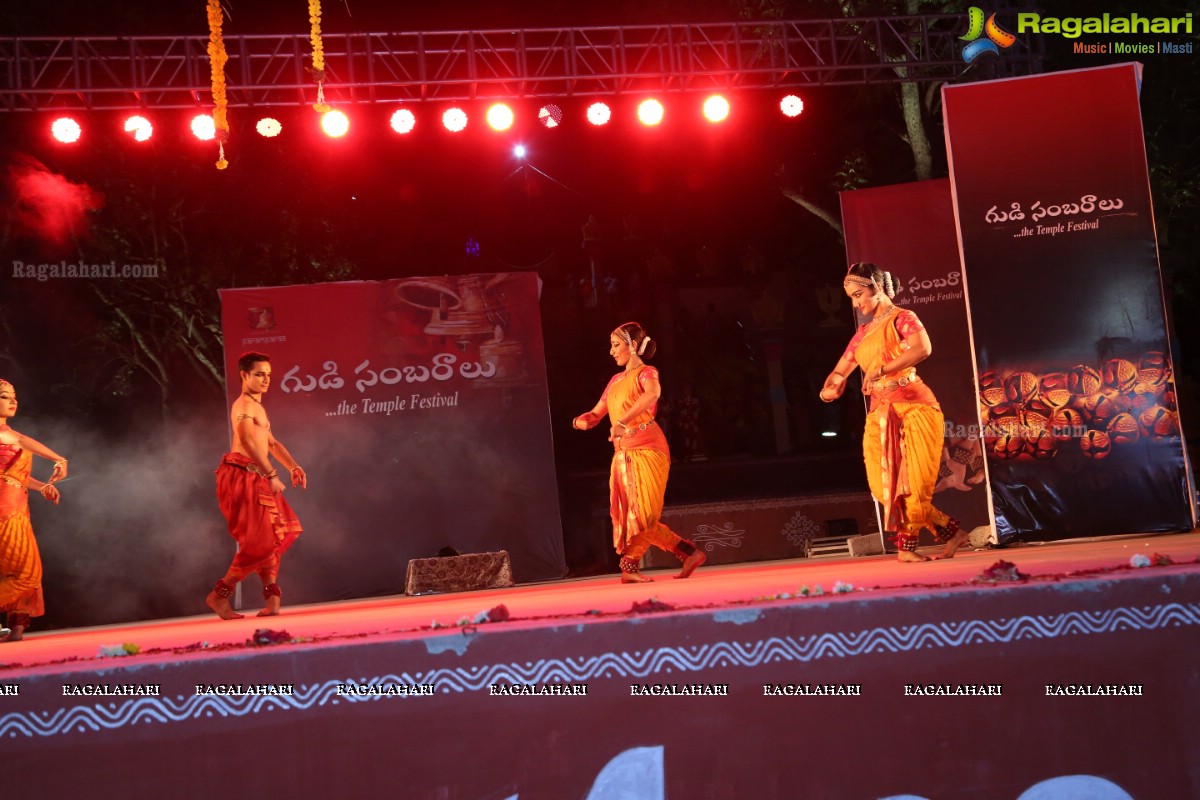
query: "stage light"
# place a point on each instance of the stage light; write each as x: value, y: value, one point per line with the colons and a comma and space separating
x: 140, y: 127
x: 650, y: 112
x: 335, y: 123
x: 829, y: 434
x: 716, y: 108
x: 268, y: 127
x: 791, y: 105
x: 500, y: 117
x: 203, y: 127
x: 403, y: 121
x: 599, y: 113
x: 455, y: 119
x: 66, y: 130
x: 550, y: 115
x: 519, y: 151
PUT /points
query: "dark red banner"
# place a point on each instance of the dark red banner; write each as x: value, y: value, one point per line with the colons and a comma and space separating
x: 909, y: 231
x: 419, y: 408
x: 1075, y: 381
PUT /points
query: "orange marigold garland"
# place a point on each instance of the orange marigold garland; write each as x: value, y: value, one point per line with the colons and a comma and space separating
x: 318, y: 54
x: 216, y: 59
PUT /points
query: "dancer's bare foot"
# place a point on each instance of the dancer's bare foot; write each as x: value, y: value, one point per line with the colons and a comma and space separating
x: 272, y: 608
x: 909, y: 557
x: 15, y: 635
x: 691, y: 562
x: 635, y: 577
x: 221, y: 606
x: 960, y: 538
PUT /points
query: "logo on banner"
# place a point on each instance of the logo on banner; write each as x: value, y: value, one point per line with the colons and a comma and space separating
x: 997, y: 37
x: 262, y: 325
x: 260, y: 319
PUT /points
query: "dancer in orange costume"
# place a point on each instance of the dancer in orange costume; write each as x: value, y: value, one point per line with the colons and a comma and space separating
x: 251, y: 494
x: 903, y: 438
x: 638, y: 479
x: 20, y: 563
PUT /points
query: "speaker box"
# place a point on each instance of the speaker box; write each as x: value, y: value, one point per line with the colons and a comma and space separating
x: 458, y: 573
x: 769, y: 528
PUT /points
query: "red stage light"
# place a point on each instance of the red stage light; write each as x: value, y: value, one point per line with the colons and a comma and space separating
x: 599, y: 113
x: 455, y: 119
x: 500, y: 117
x: 550, y: 115
x: 140, y: 127
x: 335, y: 123
x: 66, y: 130
x: 791, y: 105
x: 268, y: 127
x: 650, y: 112
x: 716, y: 108
x: 203, y: 127
x: 403, y: 121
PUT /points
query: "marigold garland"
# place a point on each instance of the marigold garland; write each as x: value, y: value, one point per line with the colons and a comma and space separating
x: 217, y: 58
x: 318, y: 54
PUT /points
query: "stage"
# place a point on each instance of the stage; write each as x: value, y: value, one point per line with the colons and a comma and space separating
x: 808, y: 678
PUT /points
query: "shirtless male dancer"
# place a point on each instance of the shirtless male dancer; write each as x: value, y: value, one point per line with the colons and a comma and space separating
x: 251, y: 495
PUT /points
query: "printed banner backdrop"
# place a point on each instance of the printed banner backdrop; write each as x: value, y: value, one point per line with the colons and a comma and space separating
x: 1052, y: 197
x: 419, y: 409
x: 909, y: 231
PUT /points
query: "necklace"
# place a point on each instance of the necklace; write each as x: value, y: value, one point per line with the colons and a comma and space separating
x: 252, y: 397
x: 876, y: 320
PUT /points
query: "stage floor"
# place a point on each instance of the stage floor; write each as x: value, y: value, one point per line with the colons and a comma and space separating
x: 537, y: 605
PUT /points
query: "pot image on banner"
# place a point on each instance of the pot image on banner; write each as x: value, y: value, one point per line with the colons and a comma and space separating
x: 909, y: 230
x: 419, y: 409
x: 1075, y: 382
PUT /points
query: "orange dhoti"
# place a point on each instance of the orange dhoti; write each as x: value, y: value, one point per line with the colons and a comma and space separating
x: 262, y: 522
x: 637, y: 485
x: 902, y: 451
x: 20, y: 562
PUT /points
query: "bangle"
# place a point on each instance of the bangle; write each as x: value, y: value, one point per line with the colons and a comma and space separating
x: 623, y: 425
x: 272, y: 475
x: 293, y: 469
x: 60, y: 461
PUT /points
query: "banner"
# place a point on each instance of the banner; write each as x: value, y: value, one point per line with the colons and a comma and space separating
x: 1075, y: 383
x: 419, y: 409
x: 908, y: 230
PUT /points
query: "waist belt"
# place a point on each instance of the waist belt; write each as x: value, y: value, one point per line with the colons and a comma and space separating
x: 892, y: 386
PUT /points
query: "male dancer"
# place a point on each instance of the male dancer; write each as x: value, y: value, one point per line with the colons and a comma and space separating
x: 251, y: 494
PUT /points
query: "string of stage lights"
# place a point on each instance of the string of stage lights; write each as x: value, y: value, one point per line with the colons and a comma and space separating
x: 714, y: 109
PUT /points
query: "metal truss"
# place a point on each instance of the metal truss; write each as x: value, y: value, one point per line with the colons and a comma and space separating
x: 122, y: 73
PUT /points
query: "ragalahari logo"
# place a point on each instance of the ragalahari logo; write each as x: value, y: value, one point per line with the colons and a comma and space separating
x: 997, y: 37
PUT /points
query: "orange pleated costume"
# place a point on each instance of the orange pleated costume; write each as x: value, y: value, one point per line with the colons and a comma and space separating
x: 641, y: 462
x: 262, y: 522
x: 20, y: 562
x: 904, y: 434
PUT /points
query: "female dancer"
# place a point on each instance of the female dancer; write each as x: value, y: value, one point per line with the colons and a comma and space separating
x: 641, y: 461
x: 20, y: 564
x: 902, y: 442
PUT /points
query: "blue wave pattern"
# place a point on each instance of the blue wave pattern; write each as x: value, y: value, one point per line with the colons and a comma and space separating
x: 147, y: 710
